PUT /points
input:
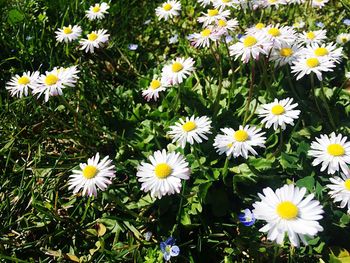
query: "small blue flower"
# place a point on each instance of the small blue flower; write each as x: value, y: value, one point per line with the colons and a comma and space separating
x: 169, y: 249
x: 247, y: 218
x: 147, y: 235
x: 133, y: 47
x: 228, y: 39
x: 319, y: 24
x: 346, y: 21
x: 239, y: 36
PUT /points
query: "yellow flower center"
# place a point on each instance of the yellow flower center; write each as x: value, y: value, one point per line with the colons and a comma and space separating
x: 274, y: 32
x: 162, y: 170
x: 213, y: 12
x: 189, y: 126
x: 344, y: 39
x: 335, y: 149
x: 287, y: 210
x: 155, y: 84
x: 205, y: 32
x: 176, y: 67
x: 51, y: 79
x: 229, y: 145
x: 90, y: 171
x: 222, y: 23
x: 24, y: 80
x: 347, y: 184
x: 226, y: 1
x: 92, y: 36
x: 167, y: 7
x: 286, y: 52
x: 310, y: 35
x: 277, y: 109
x: 249, y: 41
x: 272, y: 1
x: 67, y: 30
x: 321, y: 51
x: 241, y: 136
x: 259, y: 26
x: 312, y: 62
x: 96, y: 9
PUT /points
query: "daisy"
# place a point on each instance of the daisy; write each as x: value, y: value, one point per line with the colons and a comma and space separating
x: 68, y: 34
x: 178, y: 70
x: 258, y: 28
x: 305, y: 65
x: 240, y: 142
x: 19, y: 85
x: 275, y: 3
x: 204, y: 2
x: 295, y: 1
x: 156, y: 86
x: 286, y: 54
x: 287, y: 212
x: 279, y: 113
x: 332, y: 152
x: 212, y: 16
x: 328, y: 51
x: 94, y: 173
x: 280, y: 36
x: 222, y: 4
x: 162, y: 176
x: 191, y: 130
x: 317, y: 36
x: 168, y: 10
x: 223, y: 26
x: 97, y: 11
x: 319, y: 3
x: 203, y: 38
x: 340, y: 190
x: 343, y: 38
x: 95, y: 39
x: 250, y: 46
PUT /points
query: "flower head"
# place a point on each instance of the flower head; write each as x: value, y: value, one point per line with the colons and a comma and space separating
x: 97, y: 11
x: 169, y: 9
x: 340, y: 190
x: 169, y: 249
x: 68, y: 33
x: 178, y: 70
x: 20, y: 85
x: 95, y: 39
x: 247, y: 218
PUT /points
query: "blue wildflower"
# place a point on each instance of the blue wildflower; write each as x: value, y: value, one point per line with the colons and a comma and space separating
x: 247, y: 218
x: 169, y: 249
x: 133, y: 46
x: 228, y: 39
x: 319, y: 24
x: 346, y: 21
x: 239, y: 36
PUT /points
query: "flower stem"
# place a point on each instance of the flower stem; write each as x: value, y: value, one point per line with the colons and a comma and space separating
x: 250, y: 94
x: 219, y: 69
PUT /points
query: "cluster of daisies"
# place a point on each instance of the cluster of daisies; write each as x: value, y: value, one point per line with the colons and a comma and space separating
x: 94, y: 39
x: 51, y: 83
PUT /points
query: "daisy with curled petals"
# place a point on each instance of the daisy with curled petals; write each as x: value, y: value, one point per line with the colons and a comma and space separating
x: 317, y: 36
x: 223, y: 26
x: 280, y: 36
x: 311, y: 64
x: 178, y: 70
x: 168, y: 10
x: 204, y: 2
x: 258, y: 28
x: 212, y: 16
x: 340, y: 190
x: 156, y: 86
x: 240, y: 142
x: 97, y: 11
x: 286, y: 54
x: 203, y: 38
x: 327, y: 51
x: 163, y: 175
x: 94, y: 173
x: 331, y: 151
x: 95, y: 39
x: 279, y: 113
x: 319, y: 3
x: 286, y: 211
x: 19, y: 85
x: 191, y: 130
x: 68, y: 33
x: 250, y: 46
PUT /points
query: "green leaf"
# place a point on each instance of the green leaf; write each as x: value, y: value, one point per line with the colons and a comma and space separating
x: 308, y: 182
x: 15, y: 16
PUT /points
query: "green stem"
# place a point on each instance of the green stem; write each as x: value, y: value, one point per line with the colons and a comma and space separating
x: 219, y: 69
x: 225, y: 171
x: 250, y: 94
x: 178, y: 216
x: 86, y: 209
x: 329, y: 113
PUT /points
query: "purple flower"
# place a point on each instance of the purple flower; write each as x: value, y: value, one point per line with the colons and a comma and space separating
x: 346, y: 21
x: 169, y: 249
x: 247, y: 218
x: 319, y: 24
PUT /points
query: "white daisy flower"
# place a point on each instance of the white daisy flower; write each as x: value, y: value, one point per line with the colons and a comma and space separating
x: 317, y: 36
x: 305, y: 65
x: 250, y: 46
x: 178, y: 70
x: 256, y: 29
x: 319, y: 3
x: 223, y: 26
x: 280, y: 36
x: 204, y: 2
x: 203, y: 38
x: 340, y: 190
x: 191, y: 130
x: 327, y: 51
x: 279, y: 113
x: 222, y: 4
x: 168, y: 10
x: 343, y: 38
x: 162, y: 176
x: 295, y: 1
x: 286, y: 54
x: 156, y: 86
x: 275, y: 3
x: 53, y: 82
x: 97, y: 11
x: 332, y: 152
x: 19, y: 85
x: 240, y: 142
x: 95, y: 39
x: 68, y: 33
x: 94, y: 173
x: 212, y: 16
x: 287, y: 212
